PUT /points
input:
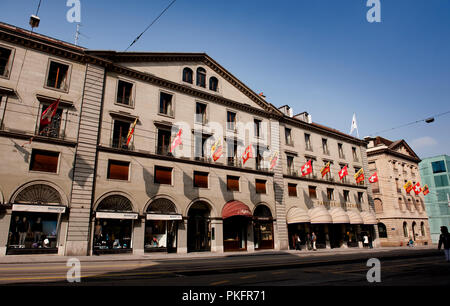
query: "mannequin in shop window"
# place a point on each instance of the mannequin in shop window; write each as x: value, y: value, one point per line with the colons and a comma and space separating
x: 24, y: 228
x: 36, y: 228
x: 98, y: 232
x: 14, y: 232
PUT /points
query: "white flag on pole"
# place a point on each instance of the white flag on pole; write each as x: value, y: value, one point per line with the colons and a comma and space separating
x: 354, y: 125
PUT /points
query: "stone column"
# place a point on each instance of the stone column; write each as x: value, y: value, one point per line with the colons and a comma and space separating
x: 138, y: 236
x: 182, y: 236
x: 250, y: 237
x: 376, y: 239
x: 217, y: 243
x: 327, y: 237
x: 5, y: 222
x: 358, y: 236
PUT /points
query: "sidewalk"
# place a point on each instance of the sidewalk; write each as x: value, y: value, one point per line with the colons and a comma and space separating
x: 33, y: 259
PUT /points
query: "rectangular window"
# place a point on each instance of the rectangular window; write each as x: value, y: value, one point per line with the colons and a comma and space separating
x: 312, y: 192
x: 288, y: 136
x: 163, y: 175
x: 259, y: 158
x: 200, y: 113
x: 52, y: 129
x: 355, y: 155
x: 200, y: 141
x: 118, y: 170
x: 124, y: 93
x: 341, y: 151
x: 441, y: 180
x: 308, y: 142
x: 290, y: 164
x: 360, y: 197
x: 45, y: 161
x: 438, y: 166
x: 257, y: 126
x: 325, y: 146
x: 330, y: 194
x: 200, y: 179
x: 232, y: 152
x: 5, y: 55
x: 233, y: 183
x: 58, y: 76
x: 260, y: 186
x: 346, y: 195
x: 231, y: 121
x: 120, y: 133
x: 292, y: 190
x: 165, y: 104
x: 163, y: 142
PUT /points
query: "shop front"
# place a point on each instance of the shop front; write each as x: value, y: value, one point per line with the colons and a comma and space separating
x: 199, y: 227
x: 161, y: 226
x: 263, y: 228
x: 36, y: 215
x: 336, y: 231
x: 368, y: 228
x: 352, y: 230
x: 236, y: 219
x: 114, y: 218
x: 320, y: 219
x: 299, y: 225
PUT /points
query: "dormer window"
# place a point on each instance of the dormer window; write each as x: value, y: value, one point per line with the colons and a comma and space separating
x: 187, y: 75
x: 201, y: 77
x: 213, y: 83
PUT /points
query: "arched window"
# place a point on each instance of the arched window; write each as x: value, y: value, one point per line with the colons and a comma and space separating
x: 213, y: 83
x: 187, y: 75
x: 115, y: 203
x: 414, y: 230
x: 405, y: 229
x: 422, y: 229
x: 201, y: 77
x: 382, y: 232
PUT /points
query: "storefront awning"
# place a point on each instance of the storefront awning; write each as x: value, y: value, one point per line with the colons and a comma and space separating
x: 116, y: 215
x: 369, y: 218
x: 297, y: 215
x: 236, y: 208
x: 164, y: 217
x: 57, y: 209
x: 355, y: 217
x: 339, y: 215
x: 319, y: 215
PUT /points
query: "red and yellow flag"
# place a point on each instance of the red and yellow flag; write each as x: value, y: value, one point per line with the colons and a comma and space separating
x: 131, y: 131
x: 325, y: 169
x: 426, y: 190
x: 217, y: 149
x: 359, y: 176
x: 408, y: 186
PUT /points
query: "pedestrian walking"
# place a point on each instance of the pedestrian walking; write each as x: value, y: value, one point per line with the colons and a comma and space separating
x: 313, y: 240
x: 370, y: 242
x: 444, y: 239
x: 297, y: 243
x: 365, y: 241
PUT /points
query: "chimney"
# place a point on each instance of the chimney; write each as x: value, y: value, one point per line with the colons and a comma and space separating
x: 305, y: 117
x: 287, y: 110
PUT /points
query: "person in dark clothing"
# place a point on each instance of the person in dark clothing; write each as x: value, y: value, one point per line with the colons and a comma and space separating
x: 24, y: 227
x: 444, y: 240
x: 14, y: 231
x: 36, y: 228
x: 297, y: 242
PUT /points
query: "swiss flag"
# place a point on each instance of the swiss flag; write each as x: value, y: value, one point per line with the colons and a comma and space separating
x: 248, y: 153
x: 343, y: 172
x: 176, y: 141
x: 417, y: 188
x: 373, y: 178
x: 49, y: 113
x: 306, y: 168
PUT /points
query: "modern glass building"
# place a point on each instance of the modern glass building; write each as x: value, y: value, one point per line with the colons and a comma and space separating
x: 435, y: 172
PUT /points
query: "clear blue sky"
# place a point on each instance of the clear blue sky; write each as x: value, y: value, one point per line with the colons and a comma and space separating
x: 320, y: 56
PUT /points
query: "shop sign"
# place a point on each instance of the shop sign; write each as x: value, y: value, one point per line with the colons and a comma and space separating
x: 39, y: 208
x: 115, y: 215
x: 164, y: 217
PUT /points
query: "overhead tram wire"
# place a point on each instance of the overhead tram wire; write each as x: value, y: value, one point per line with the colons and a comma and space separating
x: 148, y: 27
x: 411, y: 123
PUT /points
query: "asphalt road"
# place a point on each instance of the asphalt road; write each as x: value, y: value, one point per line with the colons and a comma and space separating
x: 400, y: 267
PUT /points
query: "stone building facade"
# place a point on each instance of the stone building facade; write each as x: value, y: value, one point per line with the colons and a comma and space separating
x: 82, y: 186
x: 401, y: 215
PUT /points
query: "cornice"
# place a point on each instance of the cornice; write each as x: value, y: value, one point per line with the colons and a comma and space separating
x: 36, y: 138
x: 388, y: 151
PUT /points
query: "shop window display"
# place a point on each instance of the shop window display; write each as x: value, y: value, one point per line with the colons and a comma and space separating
x: 33, y: 231
x: 160, y: 235
x: 112, y: 235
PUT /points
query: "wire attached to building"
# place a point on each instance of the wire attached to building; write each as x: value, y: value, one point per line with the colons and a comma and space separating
x: 139, y: 36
